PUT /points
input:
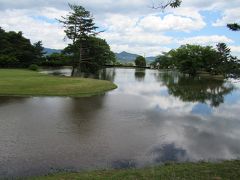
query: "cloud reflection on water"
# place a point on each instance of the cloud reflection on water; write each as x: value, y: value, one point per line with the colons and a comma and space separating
x: 143, y: 122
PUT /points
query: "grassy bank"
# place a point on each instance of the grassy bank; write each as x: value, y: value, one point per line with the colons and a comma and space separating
x: 29, y: 83
x: 188, y: 171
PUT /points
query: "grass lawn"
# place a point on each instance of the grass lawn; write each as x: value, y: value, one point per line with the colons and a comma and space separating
x: 15, y: 82
x: 188, y: 171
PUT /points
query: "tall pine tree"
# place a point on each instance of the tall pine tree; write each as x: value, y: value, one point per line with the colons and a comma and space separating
x: 79, y: 26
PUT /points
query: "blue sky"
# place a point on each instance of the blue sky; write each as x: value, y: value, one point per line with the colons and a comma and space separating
x: 130, y: 25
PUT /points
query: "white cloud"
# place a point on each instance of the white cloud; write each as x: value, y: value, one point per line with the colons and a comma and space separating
x: 235, y: 50
x: 229, y: 16
x: 119, y: 22
x: 33, y: 28
x: 130, y: 25
x: 124, y: 34
x: 52, y: 13
x: 137, y: 38
x: 211, y: 4
x: 171, y: 22
x: 95, y: 6
x: 206, y: 40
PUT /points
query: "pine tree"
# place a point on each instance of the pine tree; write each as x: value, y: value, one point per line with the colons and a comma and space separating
x: 79, y: 26
x: 39, y: 51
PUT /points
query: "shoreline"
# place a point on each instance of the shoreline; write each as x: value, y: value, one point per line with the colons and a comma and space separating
x: 200, y: 170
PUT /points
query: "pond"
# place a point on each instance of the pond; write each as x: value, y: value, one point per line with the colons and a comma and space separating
x: 152, y: 118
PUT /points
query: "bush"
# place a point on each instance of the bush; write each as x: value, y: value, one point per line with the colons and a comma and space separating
x: 33, y: 67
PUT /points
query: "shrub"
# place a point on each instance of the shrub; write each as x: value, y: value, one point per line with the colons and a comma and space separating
x: 33, y: 67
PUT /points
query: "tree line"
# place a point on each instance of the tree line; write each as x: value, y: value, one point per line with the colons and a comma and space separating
x: 191, y: 59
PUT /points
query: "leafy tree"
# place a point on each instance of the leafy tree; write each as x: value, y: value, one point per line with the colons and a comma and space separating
x: 164, y: 61
x: 56, y: 60
x: 79, y: 26
x: 140, y: 61
x: 100, y: 54
x: 7, y: 61
x: 17, y: 51
x: 190, y: 59
x: 97, y: 49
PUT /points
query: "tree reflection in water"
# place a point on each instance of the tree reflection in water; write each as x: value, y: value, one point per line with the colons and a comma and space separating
x: 140, y: 74
x: 196, y: 89
x: 107, y: 74
x: 104, y: 74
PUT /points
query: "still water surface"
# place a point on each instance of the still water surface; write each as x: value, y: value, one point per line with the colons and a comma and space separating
x: 153, y: 117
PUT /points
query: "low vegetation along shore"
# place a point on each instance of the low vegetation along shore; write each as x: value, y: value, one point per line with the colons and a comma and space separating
x: 15, y: 82
x: 204, y: 171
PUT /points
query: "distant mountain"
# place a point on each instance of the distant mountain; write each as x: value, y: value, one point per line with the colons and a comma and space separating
x: 151, y: 58
x: 51, y: 51
x: 123, y: 56
x: 129, y: 57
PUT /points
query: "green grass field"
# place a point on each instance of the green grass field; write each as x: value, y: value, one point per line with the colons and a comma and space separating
x: 186, y: 171
x: 15, y: 82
